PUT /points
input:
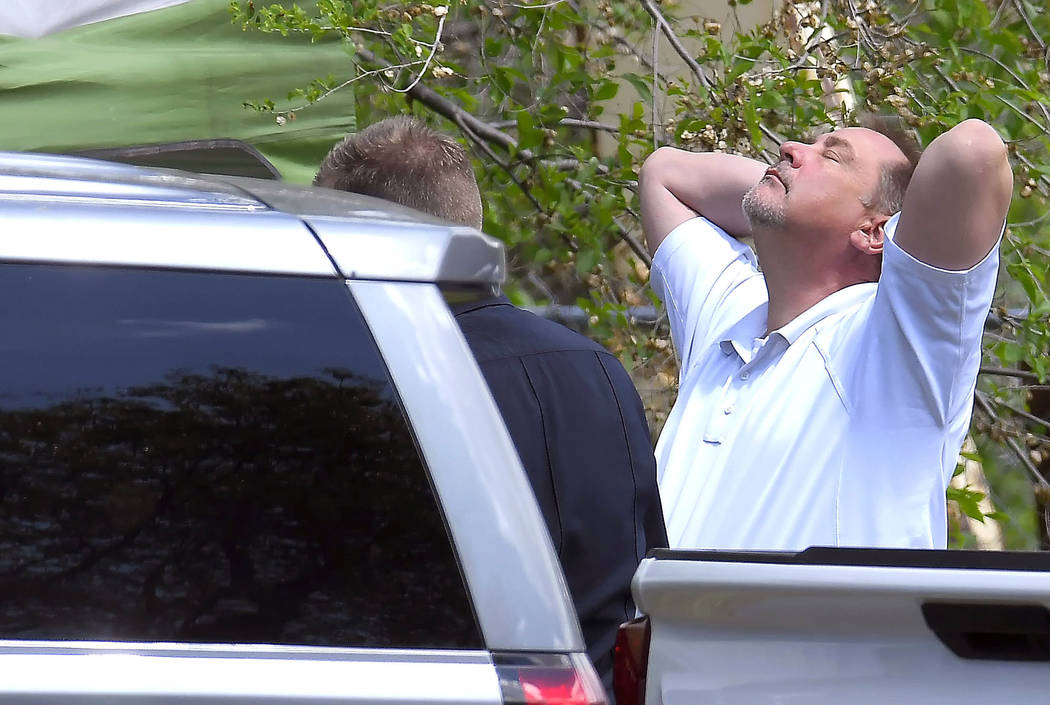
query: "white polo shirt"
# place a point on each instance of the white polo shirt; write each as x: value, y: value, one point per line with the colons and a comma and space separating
x: 840, y: 429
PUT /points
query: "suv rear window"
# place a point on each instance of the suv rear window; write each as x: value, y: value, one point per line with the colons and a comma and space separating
x: 210, y: 458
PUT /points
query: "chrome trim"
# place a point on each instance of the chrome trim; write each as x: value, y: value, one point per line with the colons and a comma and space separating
x: 125, y: 235
x: 272, y: 673
x: 510, y: 566
x: 48, y: 198
x: 63, y: 165
x: 395, y: 251
x: 261, y: 651
x: 48, y: 188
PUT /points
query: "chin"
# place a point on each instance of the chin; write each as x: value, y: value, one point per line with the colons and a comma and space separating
x: 761, y: 211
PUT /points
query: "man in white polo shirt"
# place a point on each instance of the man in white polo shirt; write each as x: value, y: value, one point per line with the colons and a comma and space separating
x: 823, y: 400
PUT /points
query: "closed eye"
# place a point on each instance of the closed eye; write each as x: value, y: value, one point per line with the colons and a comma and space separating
x: 832, y: 156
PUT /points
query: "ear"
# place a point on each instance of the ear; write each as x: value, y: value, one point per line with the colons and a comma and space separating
x: 870, y: 234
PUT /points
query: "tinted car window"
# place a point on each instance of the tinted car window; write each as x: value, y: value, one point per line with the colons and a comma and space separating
x: 213, y: 458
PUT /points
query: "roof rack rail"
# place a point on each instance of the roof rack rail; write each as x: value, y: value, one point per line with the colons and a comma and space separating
x: 229, y: 157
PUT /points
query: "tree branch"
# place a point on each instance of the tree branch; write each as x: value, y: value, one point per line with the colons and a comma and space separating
x: 445, y: 107
x: 672, y: 38
x: 476, y: 129
x: 430, y: 56
x: 621, y: 230
x: 1022, y: 413
x: 499, y: 162
x: 1006, y: 372
x: 567, y: 122
x: 1012, y: 444
x: 1019, y: 7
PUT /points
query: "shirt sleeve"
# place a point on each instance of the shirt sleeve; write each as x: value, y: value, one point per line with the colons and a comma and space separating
x: 695, y: 269
x: 916, y: 360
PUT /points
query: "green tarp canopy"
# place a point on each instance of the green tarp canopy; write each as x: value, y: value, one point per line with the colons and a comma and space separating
x: 176, y: 73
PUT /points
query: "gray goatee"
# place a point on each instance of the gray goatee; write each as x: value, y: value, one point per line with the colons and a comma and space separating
x: 760, y: 211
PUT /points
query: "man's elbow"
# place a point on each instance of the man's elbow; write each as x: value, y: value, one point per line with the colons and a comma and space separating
x: 978, y: 134
x: 654, y: 195
x: 654, y: 168
x: 975, y: 146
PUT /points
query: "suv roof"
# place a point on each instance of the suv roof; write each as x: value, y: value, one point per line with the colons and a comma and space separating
x: 179, y: 219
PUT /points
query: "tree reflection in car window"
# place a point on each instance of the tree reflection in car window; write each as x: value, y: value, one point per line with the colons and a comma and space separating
x: 215, y: 503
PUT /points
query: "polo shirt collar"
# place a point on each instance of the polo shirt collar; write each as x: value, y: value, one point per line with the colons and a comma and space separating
x: 834, y: 303
x: 741, y: 337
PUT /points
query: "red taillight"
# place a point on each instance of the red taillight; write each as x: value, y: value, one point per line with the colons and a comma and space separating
x: 630, y: 661
x: 542, y: 687
x: 548, y: 679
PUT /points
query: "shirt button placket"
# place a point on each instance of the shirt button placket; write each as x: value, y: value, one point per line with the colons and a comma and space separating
x: 718, y: 422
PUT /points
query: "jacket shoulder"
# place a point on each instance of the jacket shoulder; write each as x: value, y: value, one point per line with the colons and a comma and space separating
x: 504, y: 330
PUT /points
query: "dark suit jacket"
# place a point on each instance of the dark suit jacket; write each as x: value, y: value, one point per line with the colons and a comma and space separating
x: 580, y: 429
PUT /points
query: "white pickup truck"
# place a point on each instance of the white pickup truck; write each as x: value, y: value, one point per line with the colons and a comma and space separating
x: 832, y: 625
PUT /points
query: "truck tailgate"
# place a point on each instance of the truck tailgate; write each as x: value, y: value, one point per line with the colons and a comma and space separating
x: 858, y: 626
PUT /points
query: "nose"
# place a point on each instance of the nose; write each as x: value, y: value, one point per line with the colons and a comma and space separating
x: 791, y: 152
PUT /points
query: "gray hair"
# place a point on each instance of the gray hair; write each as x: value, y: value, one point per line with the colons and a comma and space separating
x: 894, y: 176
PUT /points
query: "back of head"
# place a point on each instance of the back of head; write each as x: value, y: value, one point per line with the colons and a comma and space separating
x: 402, y: 160
x: 895, y: 175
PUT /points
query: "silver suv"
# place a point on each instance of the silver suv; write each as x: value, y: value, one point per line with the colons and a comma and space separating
x: 245, y: 453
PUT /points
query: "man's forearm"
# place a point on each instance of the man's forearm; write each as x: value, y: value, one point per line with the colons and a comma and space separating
x: 674, y: 185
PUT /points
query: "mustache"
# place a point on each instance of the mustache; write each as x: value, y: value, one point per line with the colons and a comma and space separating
x: 781, y: 170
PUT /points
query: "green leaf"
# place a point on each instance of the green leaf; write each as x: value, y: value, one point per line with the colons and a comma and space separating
x: 493, y: 46
x: 751, y: 118
x: 967, y: 501
x: 502, y: 78
x: 529, y: 137
x: 1009, y: 353
x: 551, y: 114
x: 641, y: 85
x: 586, y: 260
x: 606, y: 90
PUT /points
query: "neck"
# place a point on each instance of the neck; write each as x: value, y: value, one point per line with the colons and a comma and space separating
x: 787, y: 300
x: 800, y: 274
